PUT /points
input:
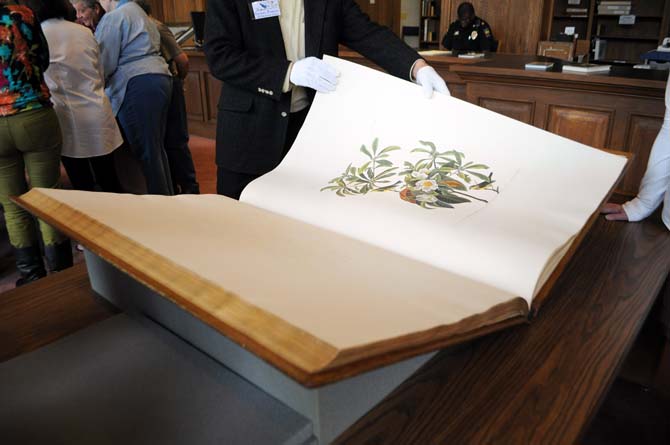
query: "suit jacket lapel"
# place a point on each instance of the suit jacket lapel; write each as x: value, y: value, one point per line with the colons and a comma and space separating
x: 314, y: 16
x: 269, y: 30
x: 275, y: 36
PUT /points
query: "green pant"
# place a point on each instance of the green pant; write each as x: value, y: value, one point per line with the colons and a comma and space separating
x: 30, y: 142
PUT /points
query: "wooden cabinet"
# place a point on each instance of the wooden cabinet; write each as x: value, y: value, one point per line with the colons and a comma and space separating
x: 176, y: 11
x: 586, y: 125
x: 613, y: 113
x: 202, y: 92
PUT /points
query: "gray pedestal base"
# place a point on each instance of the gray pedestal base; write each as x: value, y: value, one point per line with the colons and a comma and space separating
x: 331, y: 408
x: 129, y: 381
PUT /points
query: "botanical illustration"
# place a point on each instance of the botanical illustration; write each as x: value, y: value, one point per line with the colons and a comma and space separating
x: 435, y: 180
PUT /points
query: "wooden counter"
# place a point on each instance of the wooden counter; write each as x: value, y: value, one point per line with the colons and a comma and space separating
x: 622, y: 110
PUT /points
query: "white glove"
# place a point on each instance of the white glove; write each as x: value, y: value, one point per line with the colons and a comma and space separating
x: 314, y: 73
x: 428, y: 78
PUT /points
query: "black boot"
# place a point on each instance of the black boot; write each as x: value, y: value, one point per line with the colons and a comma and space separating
x: 29, y: 263
x: 59, y: 256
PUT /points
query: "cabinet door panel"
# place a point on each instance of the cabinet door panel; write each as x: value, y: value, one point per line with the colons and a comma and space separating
x: 590, y: 127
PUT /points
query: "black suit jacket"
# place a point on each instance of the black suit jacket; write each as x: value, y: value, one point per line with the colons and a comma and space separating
x: 249, y: 57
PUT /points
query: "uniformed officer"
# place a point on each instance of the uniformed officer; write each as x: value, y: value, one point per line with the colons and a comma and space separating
x: 469, y: 32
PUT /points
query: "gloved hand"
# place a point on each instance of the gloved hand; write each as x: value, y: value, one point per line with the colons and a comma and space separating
x: 314, y: 73
x: 428, y: 78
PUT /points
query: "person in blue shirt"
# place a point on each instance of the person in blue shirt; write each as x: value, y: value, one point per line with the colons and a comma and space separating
x: 139, y: 86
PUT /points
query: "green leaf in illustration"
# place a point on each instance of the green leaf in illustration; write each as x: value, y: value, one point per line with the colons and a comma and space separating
x: 389, y: 149
x: 429, y: 144
x: 362, y: 168
x: 435, y: 180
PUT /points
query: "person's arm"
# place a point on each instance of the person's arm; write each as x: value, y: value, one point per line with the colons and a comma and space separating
x: 42, y: 48
x: 181, y: 62
x: 109, y: 37
x: 447, y: 42
x: 485, y: 37
x: 228, y: 59
x: 655, y: 183
x: 656, y: 180
x: 168, y: 42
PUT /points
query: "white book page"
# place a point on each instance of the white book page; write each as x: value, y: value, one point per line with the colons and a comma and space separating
x: 543, y: 191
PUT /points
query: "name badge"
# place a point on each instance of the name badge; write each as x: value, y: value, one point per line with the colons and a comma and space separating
x: 263, y: 9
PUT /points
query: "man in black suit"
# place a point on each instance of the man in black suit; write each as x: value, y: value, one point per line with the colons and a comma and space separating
x: 268, y: 55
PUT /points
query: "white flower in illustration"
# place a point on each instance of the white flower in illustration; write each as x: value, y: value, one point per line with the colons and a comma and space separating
x: 426, y: 198
x: 426, y: 185
x: 421, y: 174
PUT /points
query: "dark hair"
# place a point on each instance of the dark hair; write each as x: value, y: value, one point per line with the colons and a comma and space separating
x: 90, y: 4
x: 145, y: 5
x: 465, y: 7
x: 51, y: 9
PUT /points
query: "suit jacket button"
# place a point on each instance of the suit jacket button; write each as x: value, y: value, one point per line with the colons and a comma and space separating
x: 284, y: 114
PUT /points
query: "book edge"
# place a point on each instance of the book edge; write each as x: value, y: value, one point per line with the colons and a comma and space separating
x: 307, y: 359
x: 545, y: 289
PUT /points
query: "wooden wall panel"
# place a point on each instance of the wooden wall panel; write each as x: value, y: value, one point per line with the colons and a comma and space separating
x: 176, y: 11
x: 384, y: 12
x: 642, y: 131
x: 519, y: 110
x: 193, y: 93
x: 612, y: 120
x: 517, y: 24
x: 590, y: 127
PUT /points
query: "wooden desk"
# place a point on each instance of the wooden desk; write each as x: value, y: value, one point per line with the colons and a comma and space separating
x: 540, y: 383
x: 622, y: 110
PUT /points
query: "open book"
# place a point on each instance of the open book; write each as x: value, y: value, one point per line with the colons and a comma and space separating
x: 396, y: 225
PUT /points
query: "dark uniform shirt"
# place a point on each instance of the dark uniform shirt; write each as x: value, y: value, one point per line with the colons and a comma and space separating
x: 475, y: 37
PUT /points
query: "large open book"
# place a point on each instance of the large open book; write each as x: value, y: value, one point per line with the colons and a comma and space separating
x: 396, y: 225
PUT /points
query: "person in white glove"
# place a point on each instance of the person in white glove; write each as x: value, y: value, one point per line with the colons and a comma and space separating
x: 314, y: 73
x: 269, y: 58
x: 655, y: 186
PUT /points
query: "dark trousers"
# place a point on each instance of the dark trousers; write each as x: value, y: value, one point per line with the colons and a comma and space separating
x: 231, y: 184
x: 86, y: 173
x: 143, y: 117
x: 182, y: 169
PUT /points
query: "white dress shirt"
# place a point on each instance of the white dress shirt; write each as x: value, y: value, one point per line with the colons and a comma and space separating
x: 292, y: 22
x: 655, y: 186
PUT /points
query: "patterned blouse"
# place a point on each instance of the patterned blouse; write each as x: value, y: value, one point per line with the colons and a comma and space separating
x: 24, y: 56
